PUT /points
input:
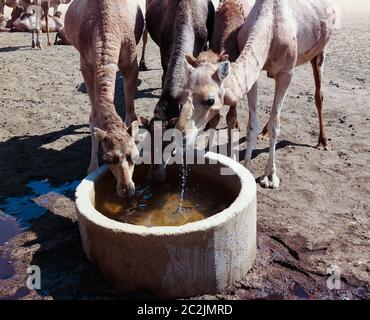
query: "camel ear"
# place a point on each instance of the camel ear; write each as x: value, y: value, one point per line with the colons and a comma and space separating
x: 99, y: 134
x: 188, y: 66
x: 223, y: 70
x: 191, y: 60
x: 223, y: 57
x: 133, y: 129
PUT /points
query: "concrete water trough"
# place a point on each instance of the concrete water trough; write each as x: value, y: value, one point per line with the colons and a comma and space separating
x: 201, y: 257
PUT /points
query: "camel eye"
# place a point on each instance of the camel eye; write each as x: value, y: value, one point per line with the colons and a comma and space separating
x: 209, y: 102
x: 129, y: 159
x: 110, y: 159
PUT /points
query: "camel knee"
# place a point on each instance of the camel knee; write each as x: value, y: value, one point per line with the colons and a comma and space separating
x: 273, y: 129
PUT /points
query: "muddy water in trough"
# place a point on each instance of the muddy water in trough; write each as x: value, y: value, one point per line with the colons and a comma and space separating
x: 176, y: 201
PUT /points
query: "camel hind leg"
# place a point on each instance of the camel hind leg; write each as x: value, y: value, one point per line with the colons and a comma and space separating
x: 318, y: 66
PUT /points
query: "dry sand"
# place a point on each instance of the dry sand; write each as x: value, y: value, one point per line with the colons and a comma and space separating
x: 319, y: 217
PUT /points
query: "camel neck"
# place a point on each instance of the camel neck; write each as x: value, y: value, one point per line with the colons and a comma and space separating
x: 188, y: 38
x: 105, y: 115
x: 183, y: 43
x: 247, y: 68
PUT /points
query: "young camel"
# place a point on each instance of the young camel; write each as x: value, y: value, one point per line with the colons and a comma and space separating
x: 277, y: 36
x: 184, y: 27
x: 106, y: 33
x: 229, y: 19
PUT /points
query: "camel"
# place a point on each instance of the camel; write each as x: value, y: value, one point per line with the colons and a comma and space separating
x: 229, y: 19
x: 45, y: 5
x: 27, y: 21
x: 61, y: 39
x: 184, y: 27
x: 106, y: 32
x: 8, y: 3
x: 277, y: 36
x: 7, y: 24
x: 16, y: 12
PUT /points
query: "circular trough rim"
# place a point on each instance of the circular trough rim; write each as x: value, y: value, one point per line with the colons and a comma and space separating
x: 246, y: 195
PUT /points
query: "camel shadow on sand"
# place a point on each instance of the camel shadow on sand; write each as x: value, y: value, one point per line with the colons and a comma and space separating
x: 12, y: 49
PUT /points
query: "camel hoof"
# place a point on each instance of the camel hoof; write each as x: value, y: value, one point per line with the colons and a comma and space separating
x: 49, y: 44
x: 33, y: 45
x: 323, y: 147
x: 271, y: 182
x: 263, y: 136
x: 237, y: 126
x: 142, y: 66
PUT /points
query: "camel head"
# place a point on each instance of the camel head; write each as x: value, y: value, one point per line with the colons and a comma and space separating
x: 120, y: 153
x: 203, y: 94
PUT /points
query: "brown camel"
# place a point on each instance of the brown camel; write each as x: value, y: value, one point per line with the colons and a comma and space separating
x: 277, y: 36
x: 106, y: 33
x: 179, y: 28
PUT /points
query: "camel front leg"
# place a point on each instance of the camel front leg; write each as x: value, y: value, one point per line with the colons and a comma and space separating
x: 38, y: 43
x: 130, y: 74
x: 253, y: 125
x: 282, y: 82
x: 33, y: 39
x: 88, y: 75
x: 231, y: 121
x: 142, y: 65
x: 94, y: 161
x: 45, y: 8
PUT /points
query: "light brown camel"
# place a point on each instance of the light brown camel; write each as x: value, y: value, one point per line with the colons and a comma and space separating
x: 277, y: 36
x: 229, y: 19
x: 179, y: 28
x: 106, y: 33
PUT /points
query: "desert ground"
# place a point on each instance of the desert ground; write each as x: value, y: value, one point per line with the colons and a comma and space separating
x: 319, y: 218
